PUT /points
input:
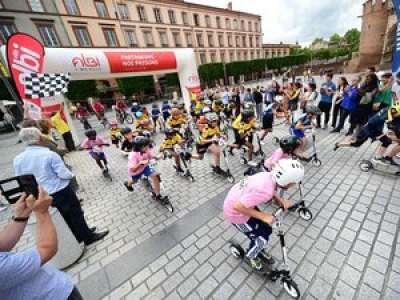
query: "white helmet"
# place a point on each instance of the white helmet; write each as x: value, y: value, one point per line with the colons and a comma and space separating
x: 288, y: 171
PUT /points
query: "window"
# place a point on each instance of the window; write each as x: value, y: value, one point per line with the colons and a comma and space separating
x: 255, y: 26
x: 123, y: 11
x: 242, y: 25
x: 251, y: 55
x: 237, y: 41
x: 6, y: 29
x: 203, y: 58
x: 49, y: 35
x: 231, y: 56
x: 177, y: 38
x: 82, y: 36
x: 172, y: 18
x: 251, y: 41
x: 244, y: 44
x: 239, y: 56
x: 196, y: 20
x: 71, y: 7
x: 163, y: 38
x: 235, y: 24
x: 228, y: 23
x: 210, y: 38
x: 222, y: 56
x: 258, y: 42
x: 131, y: 38
x: 36, y: 5
x: 157, y: 15
x: 208, y: 21
x: 221, y: 40
x: 101, y: 8
x: 199, y: 37
x: 218, y: 20
x: 249, y: 26
x: 111, y: 37
x: 148, y: 38
x: 213, y: 57
x: 230, y: 40
x: 189, y: 39
x: 185, y: 18
x: 142, y: 13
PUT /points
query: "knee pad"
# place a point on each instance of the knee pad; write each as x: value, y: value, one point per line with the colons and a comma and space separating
x: 385, y: 140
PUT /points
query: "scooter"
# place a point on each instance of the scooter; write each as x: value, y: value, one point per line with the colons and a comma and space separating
x: 283, y: 273
x: 314, y: 156
x: 96, y: 148
x: 221, y: 141
x: 149, y: 187
x: 373, y: 164
x: 184, y: 155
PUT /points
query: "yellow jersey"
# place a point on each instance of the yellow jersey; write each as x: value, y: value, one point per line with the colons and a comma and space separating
x: 139, y: 123
x: 197, y: 109
x: 172, y: 141
x: 176, y: 123
x: 217, y: 108
x: 208, y: 133
x: 115, y: 133
x: 59, y: 123
x: 242, y: 127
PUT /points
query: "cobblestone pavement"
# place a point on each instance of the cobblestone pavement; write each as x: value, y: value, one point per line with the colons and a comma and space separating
x: 350, y: 250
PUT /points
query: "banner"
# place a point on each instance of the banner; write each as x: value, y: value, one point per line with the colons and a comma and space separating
x: 122, y: 62
x: 25, y: 54
x: 396, y: 46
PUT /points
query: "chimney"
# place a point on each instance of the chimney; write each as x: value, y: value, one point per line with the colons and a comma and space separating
x: 229, y: 5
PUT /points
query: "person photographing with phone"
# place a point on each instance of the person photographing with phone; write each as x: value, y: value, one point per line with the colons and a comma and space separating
x: 26, y: 275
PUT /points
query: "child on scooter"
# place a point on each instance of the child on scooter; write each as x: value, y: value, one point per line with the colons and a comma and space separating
x: 127, y: 144
x: 288, y: 146
x: 241, y: 206
x: 143, y: 122
x: 304, y: 122
x: 115, y: 133
x: 172, y: 138
x: 95, y: 145
x: 155, y: 116
x: 138, y: 165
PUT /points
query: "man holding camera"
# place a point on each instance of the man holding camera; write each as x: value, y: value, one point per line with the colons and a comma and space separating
x: 25, y: 275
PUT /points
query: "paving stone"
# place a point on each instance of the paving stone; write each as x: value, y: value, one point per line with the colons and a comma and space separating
x: 191, y: 239
x: 343, y: 291
x: 348, y: 234
x: 207, y: 287
x: 173, y: 265
x: 328, y: 273
x: 367, y: 293
x: 237, y: 277
x: 386, y: 238
x: 336, y: 258
x: 315, y: 256
x: 189, y: 252
x: 121, y: 291
x: 391, y: 295
x: 394, y: 281
x: 366, y: 236
x: 382, y: 250
x: 350, y: 275
x: 203, y: 271
x: 323, y: 244
x: 357, y: 261
x: 172, y: 282
x: 374, y: 279
x: 320, y: 289
x: 378, y: 263
x: 174, y: 251
x: 222, y: 272
x: 307, y: 270
x: 140, y: 277
x: 187, y: 286
x: 159, y: 263
x: 138, y: 293
x: 342, y: 246
x: 224, y: 292
x: 362, y: 248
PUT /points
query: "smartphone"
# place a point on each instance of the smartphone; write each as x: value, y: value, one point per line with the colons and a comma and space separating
x: 13, y: 187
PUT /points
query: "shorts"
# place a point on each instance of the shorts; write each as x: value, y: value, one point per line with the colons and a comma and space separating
x: 267, y: 120
x: 202, y: 148
x: 98, y: 155
x: 148, y: 171
x: 166, y: 115
x: 297, y: 132
x: 115, y: 141
x: 239, y: 140
x: 293, y: 105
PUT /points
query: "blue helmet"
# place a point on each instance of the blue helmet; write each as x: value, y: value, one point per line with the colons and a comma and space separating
x: 139, y: 114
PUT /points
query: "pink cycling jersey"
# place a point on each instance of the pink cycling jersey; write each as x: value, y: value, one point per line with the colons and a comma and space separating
x: 93, y: 145
x: 134, y: 158
x: 274, y: 158
x: 251, y: 191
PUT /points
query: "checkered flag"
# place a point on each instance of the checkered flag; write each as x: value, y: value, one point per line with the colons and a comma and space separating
x: 42, y: 85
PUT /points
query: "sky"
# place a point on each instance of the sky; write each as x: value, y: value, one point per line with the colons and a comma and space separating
x: 299, y: 20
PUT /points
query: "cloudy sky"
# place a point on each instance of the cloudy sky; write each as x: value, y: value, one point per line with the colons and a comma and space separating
x: 299, y: 20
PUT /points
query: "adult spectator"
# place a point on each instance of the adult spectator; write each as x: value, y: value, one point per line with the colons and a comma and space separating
x: 51, y: 173
x: 328, y: 89
x: 351, y: 98
x: 396, y: 89
x: 25, y: 275
x: 342, y: 85
x: 311, y: 96
x: 384, y: 96
x: 258, y: 99
x: 237, y: 100
x: 62, y: 127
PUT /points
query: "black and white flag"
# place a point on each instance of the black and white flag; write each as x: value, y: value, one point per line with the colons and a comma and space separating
x: 42, y: 85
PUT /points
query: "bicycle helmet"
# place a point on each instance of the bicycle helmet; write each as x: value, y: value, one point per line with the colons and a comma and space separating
x: 247, y: 114
x: 212, y: 117
x: 126, y: 130
x: 312, y: 109
x: 139, y: 114
x: 287, y: 171
x: 135, y: 104
x: 248, y: 105
x: 289, y: 143
x: 207, y: 102
x: 218, y: 102
x: 140, y: 142
x: 91, y: 134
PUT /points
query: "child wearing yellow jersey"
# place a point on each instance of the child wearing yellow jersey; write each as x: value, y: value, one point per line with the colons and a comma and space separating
x: 115, y: 133
x: 242, y: 127
x: 143, y: 122
x: 172, y: 138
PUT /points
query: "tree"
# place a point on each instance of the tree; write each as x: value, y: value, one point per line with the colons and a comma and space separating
x: 134, y: 85
x: 81, y: 89
x: 335, y: 38
x: 352, y: 37
x: 317, y: 40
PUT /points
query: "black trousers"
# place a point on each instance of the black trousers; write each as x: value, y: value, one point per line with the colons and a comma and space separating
x: 344, y: 113
x: 70, y: 208
x: 336, y: 110
x: 75, y: 295
x: 326, y: 110
x: 69, y: 141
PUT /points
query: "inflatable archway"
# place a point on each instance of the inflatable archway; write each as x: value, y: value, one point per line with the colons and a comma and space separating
x: 25, y: 54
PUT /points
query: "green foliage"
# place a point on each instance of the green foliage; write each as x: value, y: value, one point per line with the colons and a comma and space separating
x: 81, y: 89
x: 4, y: 94
x: 172, y: 79
x: 335, y: 38
x: 317, y: 40
x: 211, y: 72
x: 135, y: 85
x: 352, y: 37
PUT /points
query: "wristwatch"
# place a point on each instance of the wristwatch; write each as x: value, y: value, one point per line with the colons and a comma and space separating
x: 20, y: 219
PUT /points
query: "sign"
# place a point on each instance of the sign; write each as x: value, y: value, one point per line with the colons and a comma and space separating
x: 396, y: 46
x: 122, y: 62
x: 25, y: 54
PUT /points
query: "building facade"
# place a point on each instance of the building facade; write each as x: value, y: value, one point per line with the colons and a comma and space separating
x: 216, y: 34
x: 278, y: 50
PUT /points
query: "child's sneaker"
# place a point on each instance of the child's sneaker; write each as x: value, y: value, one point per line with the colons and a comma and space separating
x: 256, y: 264
x: 128, y: 187
x: 267, y: 257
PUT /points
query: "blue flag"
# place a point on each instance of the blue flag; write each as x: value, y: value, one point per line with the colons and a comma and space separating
x: 396, y: 47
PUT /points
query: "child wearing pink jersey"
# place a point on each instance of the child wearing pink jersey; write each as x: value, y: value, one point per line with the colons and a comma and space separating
x: 95, y: 145
x: 288, y: 146
x: 241, y: 205
x: 139, y: 165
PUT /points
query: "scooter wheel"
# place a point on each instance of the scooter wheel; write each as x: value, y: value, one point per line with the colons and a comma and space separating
x: 191, y: 178
x: 169, y: 207
x: 365, y: 165
x: 291, y: 288
x: 236, y: 251
x: 317, y: 163
x: 231, y: 179
x: 305, y: 213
